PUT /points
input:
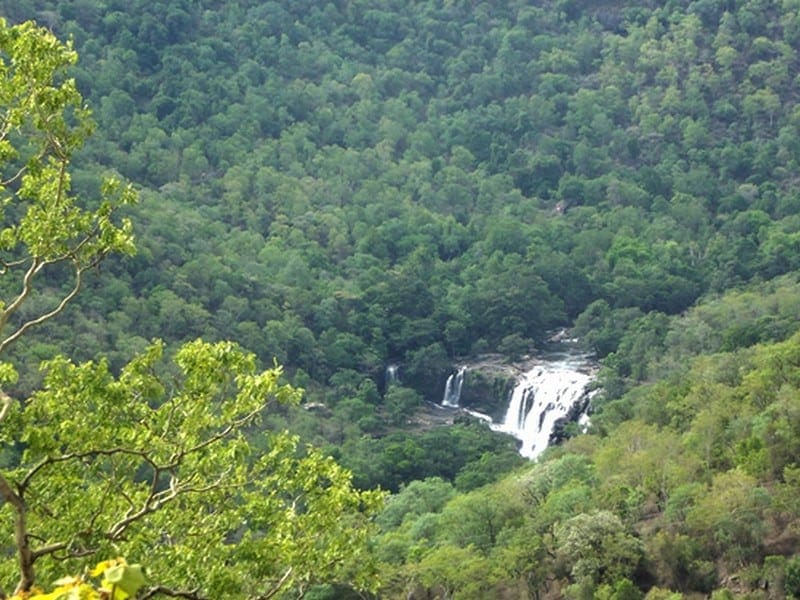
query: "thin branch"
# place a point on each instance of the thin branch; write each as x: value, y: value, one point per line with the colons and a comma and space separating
x: 178, y: 456
x: 220, y: 435
x: 72, y: 253
x: 75, y: 553
x: 7, y: 402
x: 42, y: 318
x: 277, y: 587
x: 6, y: 265
x: 49, y: 549
x: 172, y: 410
x: 155, y: 502
x: 36, y: 265
x: 27, y: 284
x: 160, y: 589
x: 52, y: 460
x: 110, y: 489
x: 126, y: 497
x: 14, y: 177
x: 24, y: 168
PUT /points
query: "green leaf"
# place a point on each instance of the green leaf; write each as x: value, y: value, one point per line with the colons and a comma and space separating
x: 125, y: 578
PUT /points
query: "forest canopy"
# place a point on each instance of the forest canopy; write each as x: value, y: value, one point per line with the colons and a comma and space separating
x: 159, y: 463
x: 344, y: 186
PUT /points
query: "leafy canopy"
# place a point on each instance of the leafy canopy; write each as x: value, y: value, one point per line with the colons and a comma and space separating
x: 173, y: 467
x: 164, y: 462
x: 45, y: 230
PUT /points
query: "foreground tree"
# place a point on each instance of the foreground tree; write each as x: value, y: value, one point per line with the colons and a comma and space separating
x: 46, y: 234
x: 171, y: 470
x: 163, y: 463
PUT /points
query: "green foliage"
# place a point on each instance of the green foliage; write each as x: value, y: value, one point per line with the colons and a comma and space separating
x: 46, y: 231
x: 158, y: 460
x: 490, y: 467
x: 418, y: 497
x: 400, y: 403
x: 144, y: 454
x: 700, y: 486
x: 120, y: 581
x: 400, y: 457
x: 484, y: 180
x: 343, y: 189
x: 793, y: 577
x: 596, y: 548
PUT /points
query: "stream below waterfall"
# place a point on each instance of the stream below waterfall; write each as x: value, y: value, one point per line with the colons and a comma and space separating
x: 553, y: 387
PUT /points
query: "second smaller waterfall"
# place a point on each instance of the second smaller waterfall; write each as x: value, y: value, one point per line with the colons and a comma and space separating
x: 452, y: 389
x: 392, y: 375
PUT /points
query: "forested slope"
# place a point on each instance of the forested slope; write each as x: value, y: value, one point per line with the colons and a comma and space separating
x: 342, y: 185
x: 345, y: 185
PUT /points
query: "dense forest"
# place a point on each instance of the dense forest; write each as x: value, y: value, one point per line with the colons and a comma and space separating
x: 346, y: 185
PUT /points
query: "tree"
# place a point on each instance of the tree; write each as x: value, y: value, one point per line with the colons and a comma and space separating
x: 477, y: 518
x: 730, y: 520
x: 45, y: 231
x: 162, y: 461
x: 449, y: 571
x: 418, y: 497
x: 597, y: 548
x: 401, y: 403
x: 173, y: 468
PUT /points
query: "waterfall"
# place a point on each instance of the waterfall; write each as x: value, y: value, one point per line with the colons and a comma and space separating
x: 547, y: 394
x: 392, y: 375
x: 542, y: 396
x: 452, y: 389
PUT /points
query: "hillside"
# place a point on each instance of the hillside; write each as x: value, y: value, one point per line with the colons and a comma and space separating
x: 342, y: 186
x: 339, y: 187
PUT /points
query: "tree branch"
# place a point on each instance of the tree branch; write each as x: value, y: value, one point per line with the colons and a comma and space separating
x: 7, y: 401
x: 25, y: 555
x: 52, y: 460
x: 27, y: 286
x: 160, y: 589
x: 49, y: 549
x: 110, y: 488
x: 39, y: 156
x: 220, y: 435
x: 42, y: 318
x: 154, y: 502
x: 277, y: 587
x: 6, y: 265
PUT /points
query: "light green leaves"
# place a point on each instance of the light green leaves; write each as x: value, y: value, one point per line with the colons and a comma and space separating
x: 43, y: 121
x: 172, y: 470
x: 120, y: 582
x: 123, y: 580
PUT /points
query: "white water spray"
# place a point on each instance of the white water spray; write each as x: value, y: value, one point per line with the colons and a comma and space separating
x: 542, y: 396
x: 452, y: 389
x: 547, y: 392
x: 392, y: 375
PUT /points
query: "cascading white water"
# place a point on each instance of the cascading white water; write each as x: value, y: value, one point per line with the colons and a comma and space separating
x: 452, y: 389
x: 544, y: 394
x: 392, y: 375
x: 550, y: 390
